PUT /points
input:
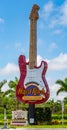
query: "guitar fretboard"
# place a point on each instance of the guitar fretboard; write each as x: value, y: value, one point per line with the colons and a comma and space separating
x: 33, y: 37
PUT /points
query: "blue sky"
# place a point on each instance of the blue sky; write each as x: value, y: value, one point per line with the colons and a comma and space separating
x: 51, y: 38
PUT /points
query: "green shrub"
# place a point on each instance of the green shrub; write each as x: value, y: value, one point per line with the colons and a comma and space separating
x: 1, y: 116
x: 47, y: 114
x: 55, y: 122
x: 58, y: 116
x: 55, y: 116
x: 1, y: 122
x: 1, y: 110
x: 9, y: 116
x: 43, y: 115
x: 65, y: 116
x: 39, y: 115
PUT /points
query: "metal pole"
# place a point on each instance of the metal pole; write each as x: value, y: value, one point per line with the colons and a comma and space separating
x: 5, y: 118
x: 62, y: 112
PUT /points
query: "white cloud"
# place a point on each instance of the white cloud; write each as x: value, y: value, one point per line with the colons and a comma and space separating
x: 10, y: 68
x: 39, y: 59
x: 57, y: 15
x: 61, y: 96
x: 48, y: 8
x: 1, y: 20
x: 53, y: 90
x: 58, y: 63
x: 63, y: 14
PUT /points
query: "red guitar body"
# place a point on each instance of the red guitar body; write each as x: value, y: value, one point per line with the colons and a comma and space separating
x: 32, y: 87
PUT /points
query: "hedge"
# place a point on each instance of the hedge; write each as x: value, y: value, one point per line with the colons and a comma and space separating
x: 58, y: 116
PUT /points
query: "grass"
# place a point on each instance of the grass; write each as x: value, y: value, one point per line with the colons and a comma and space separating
x: 40, y: 126
x: 35, y: 126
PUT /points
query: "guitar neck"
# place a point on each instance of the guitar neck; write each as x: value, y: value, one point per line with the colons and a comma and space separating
x: 33, y: 37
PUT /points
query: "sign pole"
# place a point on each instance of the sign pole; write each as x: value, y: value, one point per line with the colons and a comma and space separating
x: 62, y: 112
x: 32, y: 114
x: 5, y: 118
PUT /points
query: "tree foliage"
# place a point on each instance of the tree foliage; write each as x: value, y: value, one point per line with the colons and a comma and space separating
x: 63, y: 84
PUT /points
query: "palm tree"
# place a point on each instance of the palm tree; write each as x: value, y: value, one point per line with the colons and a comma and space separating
x: 65, y: 100
x: 1, y: 92
x: 63, y: 85
x: 2, y: 83
x: 12, y: 87
x: 11, y: 91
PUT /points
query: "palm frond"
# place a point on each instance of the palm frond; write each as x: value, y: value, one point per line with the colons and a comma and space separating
x: 8, y: 92
x: 63, y: 84
x: 2, y: 83
x: 60, y: 90
x: 12, y: 84
x: 60, y: 82
x: 16, y: 80
x: 65, y: 80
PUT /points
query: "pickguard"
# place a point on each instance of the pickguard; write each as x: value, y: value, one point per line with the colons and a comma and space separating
x: 34, y: 75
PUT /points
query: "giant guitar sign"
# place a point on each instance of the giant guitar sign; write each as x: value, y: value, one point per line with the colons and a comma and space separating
x: 32, y: 86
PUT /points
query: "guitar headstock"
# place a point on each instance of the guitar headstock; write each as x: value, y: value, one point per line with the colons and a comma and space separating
x: 34, y: 12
